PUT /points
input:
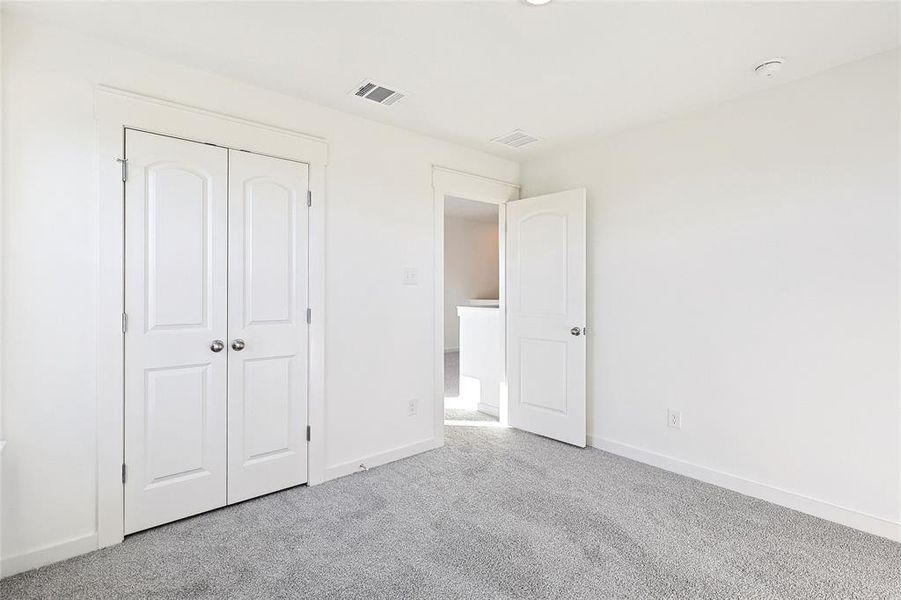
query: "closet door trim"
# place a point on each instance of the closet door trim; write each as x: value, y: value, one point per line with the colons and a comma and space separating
x: 115, y: 111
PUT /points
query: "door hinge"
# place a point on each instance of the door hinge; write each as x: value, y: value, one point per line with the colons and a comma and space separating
x: 123, y: 472
x: 124, y: 163
x: 124, y: 323
x: 309, y: 315
x: 308, y: 433
x: 309, y: 198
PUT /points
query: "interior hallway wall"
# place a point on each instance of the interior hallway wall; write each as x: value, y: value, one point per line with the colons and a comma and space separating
x: 471, y: 269
x: 744, y: 270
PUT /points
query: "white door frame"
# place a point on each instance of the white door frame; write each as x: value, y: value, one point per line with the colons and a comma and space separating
x: 114, y: 110
x: 449, y: 182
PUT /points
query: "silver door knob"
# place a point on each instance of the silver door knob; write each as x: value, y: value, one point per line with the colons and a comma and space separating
x: 238, y: 345
x: 576, y: 331
x: 217, y: 346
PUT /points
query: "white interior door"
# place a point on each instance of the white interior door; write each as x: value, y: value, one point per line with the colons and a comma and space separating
x: 175, y: 298
x: 267, y: 382
x: 546, y: 315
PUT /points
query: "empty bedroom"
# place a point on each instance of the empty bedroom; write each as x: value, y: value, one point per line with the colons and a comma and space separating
x: 511, y: 299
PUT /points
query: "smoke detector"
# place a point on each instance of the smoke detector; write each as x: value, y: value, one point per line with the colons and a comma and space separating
x: 377, y: 92
x: 516, y: 139
x: 769, y: 68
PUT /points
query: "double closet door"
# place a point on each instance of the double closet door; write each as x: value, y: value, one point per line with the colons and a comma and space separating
x: 216, y: 334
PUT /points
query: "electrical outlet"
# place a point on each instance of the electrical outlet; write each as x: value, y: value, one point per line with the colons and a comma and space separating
x: 411, y: 276
x: 411, y: 408
x: 674, y: 419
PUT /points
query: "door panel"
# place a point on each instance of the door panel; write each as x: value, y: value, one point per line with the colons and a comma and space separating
x: 542, y: 264
x: 175, y: 298
x: 546, y: 315
x: 267, y: 407
x: 176, y: 401
x: 267, y: 310
x: 542, y: 374
x: 270, y: 252
x: 177, y: 220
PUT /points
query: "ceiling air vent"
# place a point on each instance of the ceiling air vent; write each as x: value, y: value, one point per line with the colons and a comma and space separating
x: 516, y: 139
x: 378, y: 93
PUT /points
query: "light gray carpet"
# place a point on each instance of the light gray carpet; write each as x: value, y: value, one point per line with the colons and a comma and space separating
x: 451, y: 374
x: 452, y: 390
x: 496, y: 513
x: 461, y: 414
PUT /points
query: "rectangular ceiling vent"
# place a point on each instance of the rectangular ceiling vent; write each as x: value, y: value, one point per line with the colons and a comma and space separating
x: 378, y: 93
x: 516, y: 139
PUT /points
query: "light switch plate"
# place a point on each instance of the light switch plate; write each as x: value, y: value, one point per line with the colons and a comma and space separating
x: 411, y: 276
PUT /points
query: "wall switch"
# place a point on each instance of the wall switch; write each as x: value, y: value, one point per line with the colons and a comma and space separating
x: 411, y: 408
x: 674, y: 419
x: 411, y: 276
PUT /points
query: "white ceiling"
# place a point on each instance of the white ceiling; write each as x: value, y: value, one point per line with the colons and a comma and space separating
x: 470, y: 209
x: 564, y: 72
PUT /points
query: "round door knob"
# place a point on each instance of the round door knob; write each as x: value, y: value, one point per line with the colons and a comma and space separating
x: 217, y: 346
x: 238, y: 345
x: 576, y: 331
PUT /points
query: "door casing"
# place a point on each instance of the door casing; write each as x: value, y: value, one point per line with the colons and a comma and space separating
x: 116, y: 110
x: 449, y: 182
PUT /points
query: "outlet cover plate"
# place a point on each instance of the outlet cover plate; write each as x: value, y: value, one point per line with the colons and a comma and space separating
x: 674, y: 418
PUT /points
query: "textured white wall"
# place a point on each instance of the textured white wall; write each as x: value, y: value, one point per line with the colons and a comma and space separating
x: 379, y: 220
x: 743, y: 268
x: 470, y: 269
x: 2, y: 442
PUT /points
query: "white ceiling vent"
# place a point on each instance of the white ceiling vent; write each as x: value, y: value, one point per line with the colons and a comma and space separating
x: 378, y: 93
x: 516, y: 139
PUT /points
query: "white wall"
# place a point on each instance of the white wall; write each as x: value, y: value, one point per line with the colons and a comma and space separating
x: 379, y: 333
x: 2, y: 442
x: 744, y: 269
x: 470, y: 269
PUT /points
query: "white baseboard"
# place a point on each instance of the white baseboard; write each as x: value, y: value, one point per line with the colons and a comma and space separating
x: 381, y: 458
x: 488, y: 409
x: 818, y: 508
x: 48, y: 554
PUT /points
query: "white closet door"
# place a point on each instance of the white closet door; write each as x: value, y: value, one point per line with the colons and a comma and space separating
x: 175, y: 298
x: 546, y: 315
x: 267, y: 382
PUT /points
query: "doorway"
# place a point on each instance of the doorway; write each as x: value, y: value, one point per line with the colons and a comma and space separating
x: 541, y: 309
x: 215, y: 325
x: 473, y: 332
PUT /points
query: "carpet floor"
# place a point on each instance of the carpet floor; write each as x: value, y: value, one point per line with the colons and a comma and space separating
x: 463, y: 414
x: 452, y: 393
x: 496, y: 513
x: 452, y: 374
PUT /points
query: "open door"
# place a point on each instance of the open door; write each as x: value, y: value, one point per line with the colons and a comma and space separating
x: 546, y: 315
